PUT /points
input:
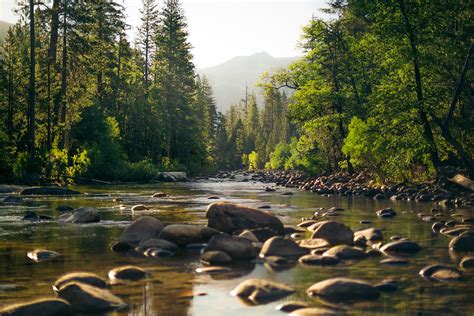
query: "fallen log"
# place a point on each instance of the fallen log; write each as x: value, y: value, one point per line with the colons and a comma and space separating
x: 463, y: 181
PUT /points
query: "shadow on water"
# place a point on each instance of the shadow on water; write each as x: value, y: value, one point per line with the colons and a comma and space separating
x: 175, y: 289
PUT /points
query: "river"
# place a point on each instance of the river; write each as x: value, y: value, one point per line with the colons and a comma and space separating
x: 175, y: 289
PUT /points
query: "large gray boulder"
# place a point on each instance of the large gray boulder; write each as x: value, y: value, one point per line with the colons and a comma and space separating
x: 229, y: 217
x: 142, y: 229
x: 182, y: 234
x: 237, y: 248
x: 333, y: 232
x: 344, y: 289
x: 279, y: 246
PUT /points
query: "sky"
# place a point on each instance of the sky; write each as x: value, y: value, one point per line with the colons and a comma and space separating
x: 222, y: 29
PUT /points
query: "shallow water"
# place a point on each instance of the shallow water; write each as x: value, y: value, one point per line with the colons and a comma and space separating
x: 175, y: 289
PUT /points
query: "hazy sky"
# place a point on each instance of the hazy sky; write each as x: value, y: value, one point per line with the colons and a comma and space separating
x: 222, y: 29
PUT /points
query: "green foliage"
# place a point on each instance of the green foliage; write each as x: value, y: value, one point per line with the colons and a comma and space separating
x: 253, y: 161
x: 279, y: 157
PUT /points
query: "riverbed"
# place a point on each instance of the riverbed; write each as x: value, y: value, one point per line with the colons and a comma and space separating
x: 174, y: 287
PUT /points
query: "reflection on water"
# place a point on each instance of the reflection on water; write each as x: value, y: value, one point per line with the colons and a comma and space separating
x: 175, y: 289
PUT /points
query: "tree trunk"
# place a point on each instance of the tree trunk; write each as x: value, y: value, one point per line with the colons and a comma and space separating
x: 10, y: 104
x: 52, y: 60
x: 31, y: 86
x: 427, y: 131
x: 63, y: 142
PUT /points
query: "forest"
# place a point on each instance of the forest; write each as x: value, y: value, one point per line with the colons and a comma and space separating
x: 383, y: 87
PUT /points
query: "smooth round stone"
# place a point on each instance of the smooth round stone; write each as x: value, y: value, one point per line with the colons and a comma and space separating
x: 467, y: 263
x: 156, y: 243
x: 314, y: 311
x: 82, y: 215
x: 307, y: 223
x: 89, y: 299
x: 373, y: 252
x: 438, y: 272
x: 313, y: 243
x: 297, y: 236
x: 386, y: 213
x: 82, y: 277
x: 436, y: 227
x: 394, y: 262
x: 344, y: 252
x: 159, y: 195
x: 39, y: 307
x: 196, y: 246
x: 335, y: 233
x: 213, y: 270
x: 213, y: 197
x: 319, y: 260
x: 401, y: 246
x: 290, y: 306
x: 395, y: 238
x: 344, y: 289
x: 182, y: 234
x: 365, y: 221
x: 121, y: 246
x: 278, y: 246
x: 64, y: 208
x: 215, y: 257
x: 13, y: 200
x: 158, y: 253
x: 387, y: 286
x: 139, y: 207
x: 260, y: 291
x: 39, y: 255
x: 454, y: 231
x: 249, y: 235
x: 278, y: 263
x: 236, y: 247
x: 462, y: 243
x: 127, y: 273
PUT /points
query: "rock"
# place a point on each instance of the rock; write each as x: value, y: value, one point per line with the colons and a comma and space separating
x: 213, y: 270
x: 155, y: 243
x: 386, y: 213
x: 277, y: 263
x: 287, y: 193
x: 333, y: 232
x: 64, y: 208
x: 279, y: 246
x: 387, y: 286
x: 215, y: 257
x: 462, y: 243
x: 12, y: 199
x: 379, y: 196
x: 48, y: 191
x: 394, y: 261
x: 269, y: 189
x: 345, y: 252
x: 40, y: 307
x: 438, y: 272
x: 370, y: 234
x: 159, y: 195
x: 33, y: 217
x: 207, y: 233
x: 319, y: 260
x: 127, y: 273
x: 316, y: 243
x: 157, y: 253
x: 290, y: 229
x: 314, y: 311
x: 89, y: 299
x: 344, y: 289
x: 307, y: 223
x: 236, y: 247
x: 263, y: 234
x: 40, y: 255
x: 335, y: 209
x: 247, y: 234
x: 436, y: 227
x: 139, y: 207
x: 290, y: 306
x: 121, y: 246
x: 401, y: 246
x: 228, y: 217
x: 454, y: 231
x: 82, y: 215
x: 82, y: 277
x: 259, y: 291
x: 182, y: 234
x: 467, y: 263
x: 365, y: 221
x: 142, y: 229
x: 395, y: 238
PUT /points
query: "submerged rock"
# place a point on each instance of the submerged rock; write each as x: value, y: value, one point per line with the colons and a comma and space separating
x: 142, y: 229
x: 279, y: 246
x: 48, y: 191
x: 127, y: 273
x: 313, y: 311
x: 213, y: 270
x: 462, y: 243
x: 370, y: 234
x: 64, y: 208
x: 82, y: 215
x: 229, y: 217
x: 333, y: 232
x: 39, y: 255
x: 344, y: 289
x: 182, y: 234
x: 386, y: 213
x: 155, y: 243
x: 467, y: 263
x: 139, y: 207
x: 290, y: 306
x: 39, y: 307
x: 236, y: 247
x: 13, y: 200
x: 82, y: 277
x: 319, y: 260
x: 89, y: 299
x: 345, y: 252
x: 401, y: 246
x: 259, y: 291
x: 215, y: 257
x: 439, y: 272
x: 33, y: 217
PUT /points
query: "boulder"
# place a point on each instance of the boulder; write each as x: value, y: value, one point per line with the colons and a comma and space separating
x: 319, y: 260
x: 333, y: 232
x: 139, y: 207
x: 277, y: 263
x: 215, y: 258
x: 155, y: 243
x: 39, y: 255
x: 463, y: 243
x: 157, y: 253
x: 159, y: 195
x: 48, y: 191
x: 259, y: 291
x: 182, y: 234
x: 467, y: 263
x: 82, y: 215
x: 279, y: 246
x: 229, y: 217
x: 127, y: 273
x: 247, y: 234
x: 370, y: 234
x: 89, y: 299
x: 236, y: 247
x: 345, y: 252
x: 316, y: 243
x: 290, y: 306
x: 82, y: 277
x: 401, y: 246
x: 442, y: 273
x: 386, y: 213
x: 263, y: 234
x: 39, y: 307
x: 13, y: 200
x: 344, y: 289
x: 142, y: 229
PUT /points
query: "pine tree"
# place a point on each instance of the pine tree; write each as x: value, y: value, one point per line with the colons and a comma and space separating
x: 146, y: 35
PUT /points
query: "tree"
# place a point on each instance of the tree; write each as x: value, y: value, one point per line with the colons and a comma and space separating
x: 147, y: 34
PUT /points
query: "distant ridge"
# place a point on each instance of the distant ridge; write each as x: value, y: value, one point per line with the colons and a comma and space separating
x: 4, y: 26
x: 228, y: 79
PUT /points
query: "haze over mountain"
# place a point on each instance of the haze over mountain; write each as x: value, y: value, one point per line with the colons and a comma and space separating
x: 4, y: 26
x: 228, y: 79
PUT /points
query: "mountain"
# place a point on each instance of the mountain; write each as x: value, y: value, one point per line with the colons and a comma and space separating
x: 4, y: 26
x: 228, y: 79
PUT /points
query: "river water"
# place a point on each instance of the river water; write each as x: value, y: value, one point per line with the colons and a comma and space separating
x: 175, y: 289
